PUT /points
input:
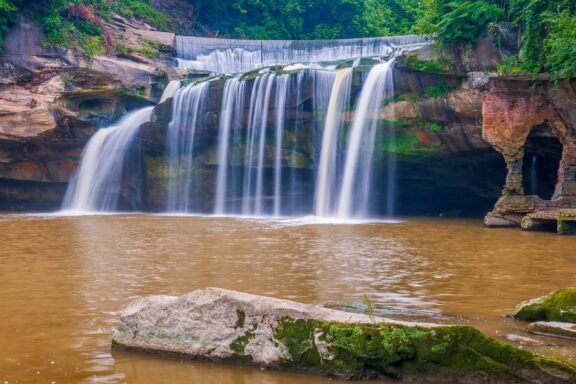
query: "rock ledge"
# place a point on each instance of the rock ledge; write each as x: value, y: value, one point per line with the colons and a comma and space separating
x: 221, y: 325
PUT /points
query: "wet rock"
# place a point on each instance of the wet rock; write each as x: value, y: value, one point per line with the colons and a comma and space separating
x: 559, y: 305
x: 495, y: 220
x: 523, y: 340
x: 553, y: 328
x: 222, y: 325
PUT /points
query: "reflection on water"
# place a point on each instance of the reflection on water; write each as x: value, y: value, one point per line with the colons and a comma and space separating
x: 63, y: 282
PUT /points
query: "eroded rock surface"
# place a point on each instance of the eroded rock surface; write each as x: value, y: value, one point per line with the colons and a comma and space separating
x: 224, y: 325
x: 52, y: 100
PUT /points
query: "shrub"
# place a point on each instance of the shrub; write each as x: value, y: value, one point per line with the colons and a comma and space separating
x: 465, y: 21
x: 560, y: 46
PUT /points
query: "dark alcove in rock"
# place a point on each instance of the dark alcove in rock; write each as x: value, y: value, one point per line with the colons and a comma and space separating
x: 459, y: 186
x: 540, y: 168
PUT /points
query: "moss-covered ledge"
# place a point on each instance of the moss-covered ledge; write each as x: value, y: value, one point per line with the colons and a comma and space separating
x: 228, y: 326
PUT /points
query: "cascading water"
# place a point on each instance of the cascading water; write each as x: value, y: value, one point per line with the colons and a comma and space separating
x: 284, y: 145
x: 97, y: 184
x: 188, y: 116
x: 329, y: 168
x: 233, y: 100
x: 534, y: 176
x: 281, y: 94
x: 236, y: 56
x: 357, y: 176
x: 259, y: 155
x: 170, y: 90
x: 254, y: 154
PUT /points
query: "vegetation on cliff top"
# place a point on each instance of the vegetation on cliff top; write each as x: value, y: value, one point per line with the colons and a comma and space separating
x: 307, y: 19
x: 547, y: 27
x: 79, y: 24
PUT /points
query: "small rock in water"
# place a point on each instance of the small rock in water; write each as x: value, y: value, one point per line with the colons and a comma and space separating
x: 524, y: 340
x: 553, y: 328
x: 559, y: 305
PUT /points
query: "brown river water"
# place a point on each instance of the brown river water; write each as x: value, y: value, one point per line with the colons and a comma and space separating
x: 64, y: 281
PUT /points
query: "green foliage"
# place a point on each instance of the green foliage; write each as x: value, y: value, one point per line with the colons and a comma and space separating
x: 148, y: 50
x: 368, y: 303
x: 457, y: 21
x: 547, y: 29
x: 437, y: 90
x: 94, y: 46
x: 79, y: 24
x: 511, y: 64
x: 307, y: 19
x: 536, y: 18
x: 8, y: 9
x: 560, y: 46
x: 431, y: 66
x: 141, y: 9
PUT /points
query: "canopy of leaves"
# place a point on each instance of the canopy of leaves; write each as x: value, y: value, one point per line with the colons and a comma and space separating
x: 457, y: 21
x: 306, y: 19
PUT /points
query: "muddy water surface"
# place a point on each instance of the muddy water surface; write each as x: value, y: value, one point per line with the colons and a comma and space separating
x: 64, y: 280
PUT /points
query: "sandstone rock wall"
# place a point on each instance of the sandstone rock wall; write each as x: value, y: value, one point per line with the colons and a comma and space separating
x: 52, y: 100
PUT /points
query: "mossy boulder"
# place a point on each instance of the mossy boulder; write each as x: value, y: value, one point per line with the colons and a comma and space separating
x: 230, y: 326
x: 559, y: 305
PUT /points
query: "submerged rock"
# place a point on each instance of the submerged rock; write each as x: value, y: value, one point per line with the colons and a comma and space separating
x: 222, y: 325
x: 559, y: 305
x: 553, y: 328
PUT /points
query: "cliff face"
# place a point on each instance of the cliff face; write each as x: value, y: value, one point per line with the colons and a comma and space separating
x: 461, y: 131
x: 52, y: 101
x: 437, y: 119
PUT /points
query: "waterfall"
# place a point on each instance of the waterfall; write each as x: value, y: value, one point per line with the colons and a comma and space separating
x: 275, y: 141
x: 230, y: 115
x: 236, y: 56
x: 96, y: 186
x: 252, y: 200
x: 259, y: 154
x: 357, y: 176
x: 187, y: 118
x: 534, y: 176
x: 281, y: 94
x: 327, y: 184
x: 170, y: 90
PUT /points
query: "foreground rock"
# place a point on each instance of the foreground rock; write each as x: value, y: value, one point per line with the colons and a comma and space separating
x: 553, y: 328
x: 221, y: 325
x: 559, y: 305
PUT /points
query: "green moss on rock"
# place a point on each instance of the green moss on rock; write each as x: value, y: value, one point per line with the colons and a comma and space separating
x: 559, y: 305
x: 363, y: 351
x: 241, y: 318
x: 239, y: 344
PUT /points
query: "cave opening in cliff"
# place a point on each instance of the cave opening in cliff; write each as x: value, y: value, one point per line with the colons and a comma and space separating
x: 467, y: 185
x: 542, y: 156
